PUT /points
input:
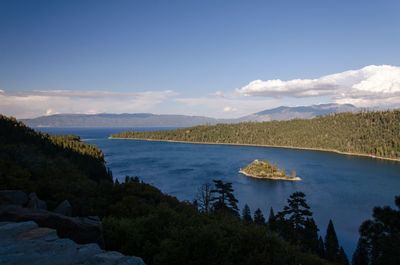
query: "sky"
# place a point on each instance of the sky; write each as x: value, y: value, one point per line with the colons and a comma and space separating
x: 220, y: 58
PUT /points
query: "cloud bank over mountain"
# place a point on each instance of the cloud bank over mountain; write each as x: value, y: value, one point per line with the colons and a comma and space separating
x: 371, y: 86
x: 28, y: 104
x: 374, y: 86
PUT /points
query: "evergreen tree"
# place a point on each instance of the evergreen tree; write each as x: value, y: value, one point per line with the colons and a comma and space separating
x: 223, y: 199
x: 331, y: 243
x: 342, y: 257
x: 271, y: 217
x: 297, y: 211
x: 246, y: 215
x: 360, y: 256
x: 321, y: 248
x: 259, y: 217
x: 310, y: 236
x: 380, y: 236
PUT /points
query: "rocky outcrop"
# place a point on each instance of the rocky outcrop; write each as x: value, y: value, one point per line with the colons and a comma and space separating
x: 82, y: 230
x: 26, y: 243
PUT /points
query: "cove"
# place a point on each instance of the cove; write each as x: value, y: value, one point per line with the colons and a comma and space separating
x: 338, y: 187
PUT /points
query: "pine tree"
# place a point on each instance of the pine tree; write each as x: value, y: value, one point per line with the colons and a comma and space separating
x: 331, y: 243
x: 223, y: 199
x: 309, y: 240
x: 246, y: 215
x: 381, y: 235
x: 342, y: 257
x: 297, y: 210
x: 259, y: 217
x: 321, y: 248
x: 360, y: 256
x: 271, y: 217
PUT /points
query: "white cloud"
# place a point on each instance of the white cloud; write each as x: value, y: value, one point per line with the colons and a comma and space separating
x: 229, y: 109
x: 27, y: 104
x: 229, y: 106
x: 370, y: 86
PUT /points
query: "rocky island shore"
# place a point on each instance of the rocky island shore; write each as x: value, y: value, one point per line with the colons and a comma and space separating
x: 262, y: 169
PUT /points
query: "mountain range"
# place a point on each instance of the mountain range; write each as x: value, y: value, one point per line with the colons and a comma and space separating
x: 167, y: 120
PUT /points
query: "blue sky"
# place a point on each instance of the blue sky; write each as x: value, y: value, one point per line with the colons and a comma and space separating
x: 193, y: 57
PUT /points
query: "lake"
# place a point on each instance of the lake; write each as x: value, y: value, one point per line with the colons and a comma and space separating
x: 338, y: 187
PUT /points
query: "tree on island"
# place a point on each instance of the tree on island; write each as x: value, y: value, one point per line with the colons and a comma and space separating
x: 259, y: 217
x: 223, y: 200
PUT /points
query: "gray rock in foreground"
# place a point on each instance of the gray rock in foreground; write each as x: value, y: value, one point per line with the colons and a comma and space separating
x: 26, y: 243
x: 80, y: 229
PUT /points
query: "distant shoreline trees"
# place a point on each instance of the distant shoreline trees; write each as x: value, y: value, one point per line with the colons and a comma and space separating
x: 368, y: 133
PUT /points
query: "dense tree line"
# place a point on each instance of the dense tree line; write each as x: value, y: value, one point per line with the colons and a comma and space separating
x: 138, y: 219
x: 371, y: 133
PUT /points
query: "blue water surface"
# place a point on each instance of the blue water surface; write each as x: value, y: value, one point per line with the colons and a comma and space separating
x: 338, y: 187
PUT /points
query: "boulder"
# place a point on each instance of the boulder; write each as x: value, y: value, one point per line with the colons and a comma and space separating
x: 26, y: 243
x: 13, y: 197
x: 36, y: 203
x: 80, y: 229
x: 114, y: 258
x: 64, y: 208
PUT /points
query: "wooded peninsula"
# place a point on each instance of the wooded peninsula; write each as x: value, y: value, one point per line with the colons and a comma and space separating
x: 374, y: 134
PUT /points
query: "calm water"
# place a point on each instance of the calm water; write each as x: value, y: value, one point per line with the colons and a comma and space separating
x: 340, y: 187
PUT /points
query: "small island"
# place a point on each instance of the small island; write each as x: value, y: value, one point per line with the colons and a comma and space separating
x: 262, y: 169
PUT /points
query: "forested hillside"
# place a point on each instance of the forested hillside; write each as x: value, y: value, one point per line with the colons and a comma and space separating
x: 368, y: 133
x: 56, y: 167
x: 138, y: 219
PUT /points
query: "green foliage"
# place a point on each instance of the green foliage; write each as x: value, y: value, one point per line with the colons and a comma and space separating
x: 379, y: 242
x: 138, y: 219
x: 297, y: 211
x: 369, y: 133
x: 144, y: 222
x: 342, y: 257
x: 263, y: 169
x: 246, y: 215
x: 331, y: 243
x: 361, y: 255
x: 224, y: 201
x: 259, y: 217
x: 56, y: 167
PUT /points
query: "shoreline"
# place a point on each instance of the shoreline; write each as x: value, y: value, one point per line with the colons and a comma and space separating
x: 261, y: 145
x: 254, y: 176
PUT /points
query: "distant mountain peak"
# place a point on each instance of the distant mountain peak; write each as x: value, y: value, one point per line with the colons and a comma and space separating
x: 299, y: 112
x: 169, y: 120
